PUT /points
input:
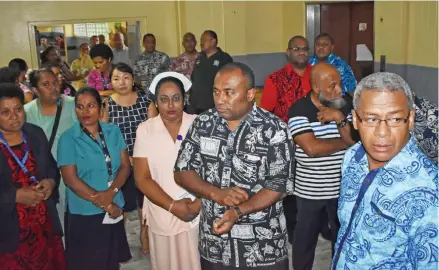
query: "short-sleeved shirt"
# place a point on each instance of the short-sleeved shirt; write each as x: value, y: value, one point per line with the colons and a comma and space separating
x: 388, y: 216
x: 184, y: 64
x: 78, y: 149
x: 80, y: 66
x: 129, y: 118
x: 257, y: 155
x: 148, y: 65
x: 283, y: 88
x: 203, y: 76
x: 316, y: 177
x: 155, y: 143
x: 68, y: 117
x: 99, y: 81
x: 348, y: 81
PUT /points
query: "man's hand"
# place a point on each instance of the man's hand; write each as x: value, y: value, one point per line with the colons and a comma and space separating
x: 103, y: 199
x: 29, y: 196
x: 225, y: 224
x: 230, y: 196
x: 185, y: 209
x: 46, y: 186
x: 326, y: 115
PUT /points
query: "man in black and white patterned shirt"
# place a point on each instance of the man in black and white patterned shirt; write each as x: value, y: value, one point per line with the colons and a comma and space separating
x: 150, y: 63
x: 238, y: 158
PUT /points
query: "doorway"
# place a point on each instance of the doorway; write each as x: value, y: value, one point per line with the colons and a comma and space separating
x: 351, y: 26
x: 76, y: 32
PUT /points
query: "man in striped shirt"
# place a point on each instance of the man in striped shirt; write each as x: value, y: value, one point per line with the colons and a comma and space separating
x: 320, y: 128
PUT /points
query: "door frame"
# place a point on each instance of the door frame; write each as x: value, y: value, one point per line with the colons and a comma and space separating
x: 32, y: 24
x: 312, y: 23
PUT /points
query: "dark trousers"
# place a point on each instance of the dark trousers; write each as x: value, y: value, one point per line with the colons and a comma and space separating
x: 206, y: 265
x: 308, y: 227
x: 290, y: 210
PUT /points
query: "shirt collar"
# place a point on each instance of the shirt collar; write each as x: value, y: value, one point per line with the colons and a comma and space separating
x: 77, y: 132
x: 248, y: 119
x: 291, y: 69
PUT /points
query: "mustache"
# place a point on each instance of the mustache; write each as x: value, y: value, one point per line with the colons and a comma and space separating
x: 335, y: 103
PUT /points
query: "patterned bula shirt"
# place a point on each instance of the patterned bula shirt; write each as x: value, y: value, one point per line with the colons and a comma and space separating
x: 257, y: 155
x: 148, y: 65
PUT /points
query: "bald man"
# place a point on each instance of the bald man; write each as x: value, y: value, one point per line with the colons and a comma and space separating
x: 184, y: 63
x: 320, y: 126
x: 121, y: 53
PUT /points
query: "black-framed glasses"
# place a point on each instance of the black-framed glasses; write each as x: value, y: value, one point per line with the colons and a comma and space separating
x: 390, y: 122
x: 298, y: 49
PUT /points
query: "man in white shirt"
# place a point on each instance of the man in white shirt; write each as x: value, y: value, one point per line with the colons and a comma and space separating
x: 120, y: 51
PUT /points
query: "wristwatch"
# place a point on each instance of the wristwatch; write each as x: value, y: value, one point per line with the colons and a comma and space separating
x: 342, y: 123
x: 238, y: 211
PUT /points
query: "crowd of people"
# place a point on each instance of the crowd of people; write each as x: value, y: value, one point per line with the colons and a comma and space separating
x: 219, y: 182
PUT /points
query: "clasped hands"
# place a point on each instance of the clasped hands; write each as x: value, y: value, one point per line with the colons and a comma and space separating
x: 33, y: 195
x: 104, y: 200
x: 228, y: 197
x: 326, y: 115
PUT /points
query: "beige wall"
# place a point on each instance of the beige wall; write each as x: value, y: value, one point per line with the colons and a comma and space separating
x: 242, y: 27
x: 407, y: 33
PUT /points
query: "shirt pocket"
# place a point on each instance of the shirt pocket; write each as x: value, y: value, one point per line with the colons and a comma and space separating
x: 382, y: 213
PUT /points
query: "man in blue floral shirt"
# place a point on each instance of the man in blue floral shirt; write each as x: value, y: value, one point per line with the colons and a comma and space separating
x: 324, y: 51
x: 388, y: 205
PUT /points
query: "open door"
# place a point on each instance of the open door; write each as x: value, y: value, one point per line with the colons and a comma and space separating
x: 133, y: 32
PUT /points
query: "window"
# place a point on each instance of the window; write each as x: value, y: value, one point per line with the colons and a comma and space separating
x: 91, y: 29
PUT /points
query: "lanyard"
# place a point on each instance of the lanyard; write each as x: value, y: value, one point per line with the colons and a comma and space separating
x: 104, y: 84
x: 22, y: 162
x: 103, y: 146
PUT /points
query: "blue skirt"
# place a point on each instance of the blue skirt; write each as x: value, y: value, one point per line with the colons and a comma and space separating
x: 91, y: 245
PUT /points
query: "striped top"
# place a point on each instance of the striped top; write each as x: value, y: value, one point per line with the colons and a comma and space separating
x: 316, y: 178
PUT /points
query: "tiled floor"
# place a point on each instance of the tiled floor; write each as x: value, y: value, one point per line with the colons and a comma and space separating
x: 138, y: 262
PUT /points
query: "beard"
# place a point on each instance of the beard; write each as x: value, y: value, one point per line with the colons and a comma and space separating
x: 337, y: 103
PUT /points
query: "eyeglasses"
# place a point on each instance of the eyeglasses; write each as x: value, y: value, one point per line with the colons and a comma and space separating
x: 375, y: 122
x: 298, y: 49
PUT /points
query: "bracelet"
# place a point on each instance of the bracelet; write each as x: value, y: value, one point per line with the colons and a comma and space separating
x: 170, y: 207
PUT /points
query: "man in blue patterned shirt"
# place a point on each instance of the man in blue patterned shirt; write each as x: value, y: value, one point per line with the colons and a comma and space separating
x: 324, y: 51
x: 388, y: 205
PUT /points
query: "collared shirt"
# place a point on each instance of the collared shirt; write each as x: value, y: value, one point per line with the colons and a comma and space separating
x: 257, y: 155
x: 426, y: 127
x: 81, y: 66
x: 154, y: 142
x: 203, y: 76
x: 348, y: 81
x: 122, y: 55
x: 388, y: 216
x: 283, y: 88
x: 77, y: 148
x: 184, y: 64
x: 317, y: 178
x: 148, y: 65
x: 97, y: 81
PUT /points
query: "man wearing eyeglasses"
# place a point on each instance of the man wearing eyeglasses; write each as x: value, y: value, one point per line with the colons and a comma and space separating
x: 324, y: 52
x: 288, y: 84
x: 388, y: 206
x: 320, y: 126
